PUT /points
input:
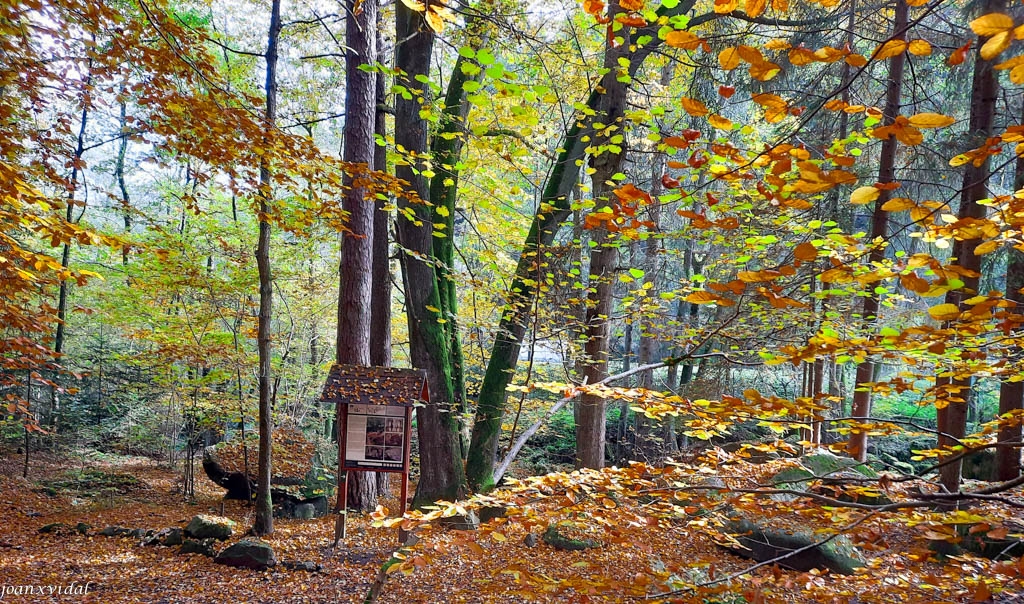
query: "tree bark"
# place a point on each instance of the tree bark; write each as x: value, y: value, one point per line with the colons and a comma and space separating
x: 380, y: 294
x: 952, y: 418
x: 442, y: 475
x: 356, y: 267
x: 858, y: 445
x: 1011, y: 394
x: 607, y: 161
x: 264, y: 522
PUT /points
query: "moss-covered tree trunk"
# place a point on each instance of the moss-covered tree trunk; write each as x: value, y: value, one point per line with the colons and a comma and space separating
x: 442, y: 474
x: 552, y: 212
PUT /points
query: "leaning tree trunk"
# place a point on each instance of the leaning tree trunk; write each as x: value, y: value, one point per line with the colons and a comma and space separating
x: 442, y: 475
x: 356, y: 268
x: 952, y: 418
x: 264, y: 522
x: 858, y: 445
x: 552, y: 213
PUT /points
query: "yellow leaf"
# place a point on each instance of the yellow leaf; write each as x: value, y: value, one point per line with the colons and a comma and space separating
x: 433, y: 308
x: 694, y: 107
x: 931, y: 120
x: 898, y: 204
x: 418, y: 7
x: 729, y: 58
x: 754, y: 8
x: 985, y: 248
x: 864, y: 195
x: 990, y: 25
x: 720, y: 122
x: 726, y: 6
x: 995, y: 45
x: 944, y: 312
x: 890, y: 49
x: 682, y: 39
x: 920, y: 48
x: 434, y: 20
x: 701, y: 298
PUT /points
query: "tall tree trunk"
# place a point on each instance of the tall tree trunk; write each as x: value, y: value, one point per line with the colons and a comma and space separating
x: 65, y: 257
x: 590, y: 429
x: 858, y: 445
x: 442, y: 475
x: 356, y: 268
x: 264, y: 522
x: 380, y: 294
x: 1011, y: 394
x: 122, y: 151
x: 952, y: 418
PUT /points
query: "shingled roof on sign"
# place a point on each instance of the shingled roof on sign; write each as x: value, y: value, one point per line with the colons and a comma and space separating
x: 356, y: 385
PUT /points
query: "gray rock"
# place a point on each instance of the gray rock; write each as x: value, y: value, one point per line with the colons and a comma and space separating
x: 761, y: 543
x: 54, y: 527
x: 469, y: 522
x: 308, y: 566
x: 193, y: 546
x: 83, y: 528
x: 254, y: 555
x: 205, y: 526
x: 305, y: 511
x: 116, y: 531
x: 173, y: 537
x: 530, y: 540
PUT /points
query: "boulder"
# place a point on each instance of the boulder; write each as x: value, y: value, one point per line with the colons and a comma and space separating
x: 290, y: 505
x: 762, y: 543
x: 204, y: 526
x: 305, y: 511
x: 116, y: 531
x: 83, y: 528
x: 556, y: 536
x: 833, y: 471
x: 201, y: 546
x: 253, y: 555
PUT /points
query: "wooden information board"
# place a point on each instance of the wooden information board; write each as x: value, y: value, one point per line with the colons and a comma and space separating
x: 374, y: 422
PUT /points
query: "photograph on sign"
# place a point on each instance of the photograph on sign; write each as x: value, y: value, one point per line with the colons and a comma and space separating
x: 375, y: 436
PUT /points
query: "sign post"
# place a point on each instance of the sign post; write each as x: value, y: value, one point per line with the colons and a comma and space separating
x: 374, y: 425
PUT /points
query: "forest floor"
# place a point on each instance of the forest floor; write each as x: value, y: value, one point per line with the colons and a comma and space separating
x: 495, y: 568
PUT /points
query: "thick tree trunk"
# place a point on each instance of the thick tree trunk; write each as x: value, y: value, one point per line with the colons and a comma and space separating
x: 264, y: 522
x: 442, y: 474
x: 952, y: 419
x: 858, y: 445
x: 590, y: 429
x: 356, y: 268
